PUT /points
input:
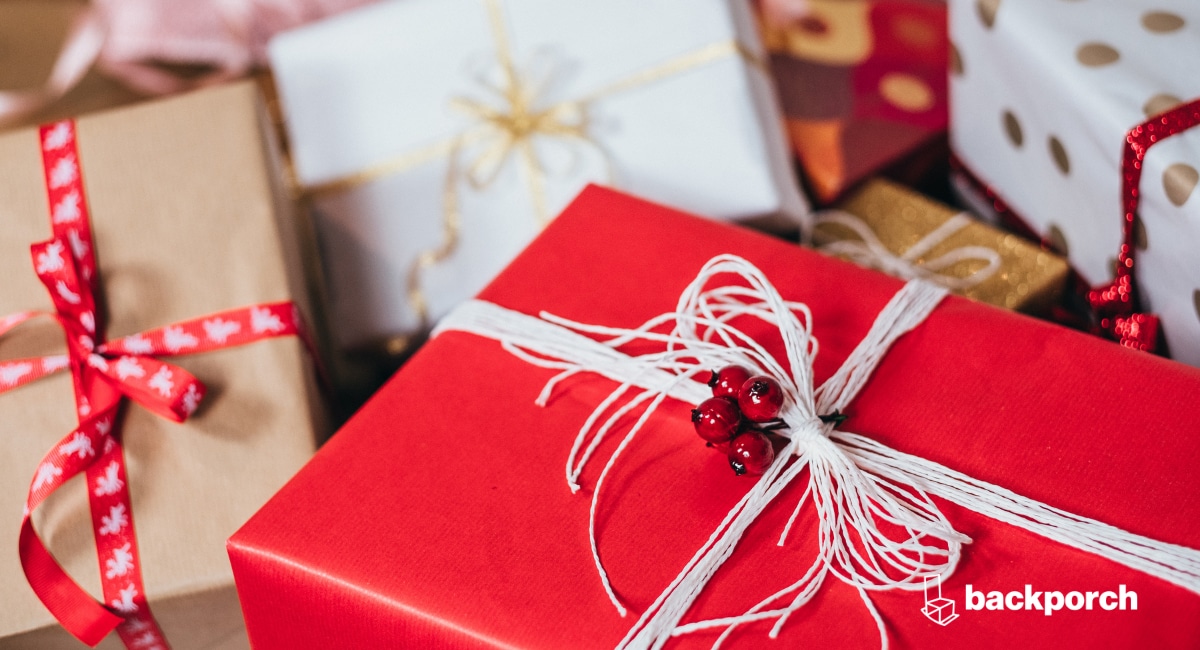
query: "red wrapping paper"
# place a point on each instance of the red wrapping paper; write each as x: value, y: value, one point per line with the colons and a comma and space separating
x: 440, y: 515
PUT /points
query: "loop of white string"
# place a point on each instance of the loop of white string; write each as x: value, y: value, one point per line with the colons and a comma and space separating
x: 879, y: 528
x: 869, y: 251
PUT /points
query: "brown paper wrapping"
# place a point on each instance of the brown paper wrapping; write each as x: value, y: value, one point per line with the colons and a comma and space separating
x: 1029, y: 280
x: 32, y: 33
x: 189, y: 217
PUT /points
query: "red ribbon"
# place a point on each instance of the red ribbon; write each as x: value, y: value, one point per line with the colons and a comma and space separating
x: 1114, y: 307
x: 104, y: 373
x: 1115, y: 304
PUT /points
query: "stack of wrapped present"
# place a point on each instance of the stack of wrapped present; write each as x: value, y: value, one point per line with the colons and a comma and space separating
x: 698, y: 334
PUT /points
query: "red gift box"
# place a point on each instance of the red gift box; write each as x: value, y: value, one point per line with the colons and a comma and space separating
x: 440, y: 515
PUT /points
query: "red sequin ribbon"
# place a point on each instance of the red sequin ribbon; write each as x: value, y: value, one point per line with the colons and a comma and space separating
x: 104, y: 373
x: 1115, y: 304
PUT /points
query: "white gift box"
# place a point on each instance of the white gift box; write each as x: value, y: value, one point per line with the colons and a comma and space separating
x: 495, y: 114
x: 1042, y: 94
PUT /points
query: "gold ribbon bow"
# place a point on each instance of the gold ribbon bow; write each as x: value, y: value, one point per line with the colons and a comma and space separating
x: 506, y: 130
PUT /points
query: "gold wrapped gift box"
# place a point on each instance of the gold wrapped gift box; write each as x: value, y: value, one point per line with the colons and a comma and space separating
x: 1027, y: 279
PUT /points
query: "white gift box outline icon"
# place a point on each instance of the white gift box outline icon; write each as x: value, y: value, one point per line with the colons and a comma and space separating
x: 935, y: 609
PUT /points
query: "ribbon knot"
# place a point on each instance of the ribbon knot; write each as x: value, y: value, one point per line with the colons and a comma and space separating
x: 508, y: 130
x: 164, y: 389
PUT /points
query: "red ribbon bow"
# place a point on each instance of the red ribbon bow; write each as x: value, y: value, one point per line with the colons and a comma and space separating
x: 1116, y: 304
x: 104, y: 373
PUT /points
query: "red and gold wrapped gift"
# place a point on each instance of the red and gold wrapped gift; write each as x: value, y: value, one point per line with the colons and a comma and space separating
x: 863, y: 83
x: 440, y: 515
x: 169, y: 236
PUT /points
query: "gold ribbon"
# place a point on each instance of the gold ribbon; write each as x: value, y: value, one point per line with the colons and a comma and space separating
x: 505, y: 132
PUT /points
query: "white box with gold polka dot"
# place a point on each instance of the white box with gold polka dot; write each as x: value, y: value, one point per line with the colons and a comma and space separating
x: 1042, y: 95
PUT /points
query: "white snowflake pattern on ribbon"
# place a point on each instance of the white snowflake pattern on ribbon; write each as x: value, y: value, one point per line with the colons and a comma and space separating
x: 115, y: 521
x: 218, y: 330
x: 64, y: 172
x: 11, y: 373
x: 162, y: 381
x: 264, y: 320
x: 78, y: 248
x: 120, y: 563
x: 191, y: 399
x: 176, y: 339
x: 51, y: 260
x: 125, y: 604
x: 79, y: 444
x: 137, y: 344
x: 147, y: 641
x: 66, y: 294
x: 67, y: 210
x: 129, y: 367
x: 55, y: 363
x: 111, y: 482
x: 46, y: 474
x: 58, y: 137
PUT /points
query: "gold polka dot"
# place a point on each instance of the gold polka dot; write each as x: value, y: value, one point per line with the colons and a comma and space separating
x: 1059, y: 153
x: 1013, y: 128
x: 1057, y: 240
x: 1178, y: 181
x: 956, y: 63
x: 1140, y: 241
x: 906, y: 92
x: 1161, y: 22
x: 987, y: 11
x: 915, y: 32
x: 1096, y: 54
x: 1160, y: 103
x: 1112, y: 267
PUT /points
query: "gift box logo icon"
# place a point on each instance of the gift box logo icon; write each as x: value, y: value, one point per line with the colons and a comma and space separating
x: 939, y: 609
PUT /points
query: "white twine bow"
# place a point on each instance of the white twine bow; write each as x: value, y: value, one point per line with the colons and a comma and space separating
x: 855, y: 484
x: 869, y: 251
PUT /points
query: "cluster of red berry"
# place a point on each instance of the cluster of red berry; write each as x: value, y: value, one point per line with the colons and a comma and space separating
x: 738, y: 415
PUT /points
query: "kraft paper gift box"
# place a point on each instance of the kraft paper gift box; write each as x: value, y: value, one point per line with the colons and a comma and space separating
x: 1042, y: 97
x: 972, y: 258
x: 440, y: 516
x: 189, y: 217
x: 467, y: 124
x: 863, y: 83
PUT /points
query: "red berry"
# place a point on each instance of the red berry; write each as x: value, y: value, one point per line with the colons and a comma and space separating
x: 717, y: 419
x: 751, y: 453
x: 760, y: 399
x: 727, y: 381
